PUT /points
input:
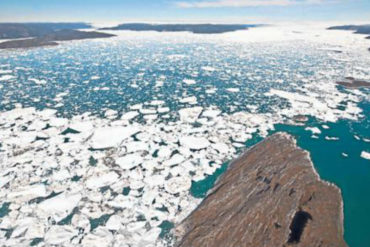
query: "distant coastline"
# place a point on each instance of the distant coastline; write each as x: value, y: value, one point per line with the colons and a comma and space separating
x: 29, y: 35
x: 193, y: 28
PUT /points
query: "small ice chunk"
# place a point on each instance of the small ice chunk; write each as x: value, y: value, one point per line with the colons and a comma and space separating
x: 129, y: 161
x: 101, y: 180
x: 178, y: 184
x: 195, y: 143
x: 150, y: 237
x: 27, y: 193
x: 163, y: 109
x: 211, y: 90
x: 189, y: 100
x: 60, y: 235
x: 37, y: 81
x: 129, y: 115
x: 60, y: 206
x: 211, y: 113
x: 5, y: 72
x: 174, y: 160
x: 233, y: 90
x: 314, y: 130
x: 100, y: 237
x: 148, y: 111
x: 156, y: 102
x: 110, y: 113
x: 164, y: 152
x: 136, y: 146
x: 111, y: 136
x: 159, y: 83
x: 114, y: 223
x: 221, y: 147
x: 328, y: 138
x: 6, y: 77
x: 82, y: 126
x: 190, y: 114
x: 365, y: 155
x: 189, y: 81
x: 208, y: 68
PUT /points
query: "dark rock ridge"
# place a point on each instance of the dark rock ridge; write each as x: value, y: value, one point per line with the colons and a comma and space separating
x: 51, y: 38
x: 271, y: 196
x: 26, y: 30
x: 351, y: 82
x: 360, y: 29
x: 194, y: 28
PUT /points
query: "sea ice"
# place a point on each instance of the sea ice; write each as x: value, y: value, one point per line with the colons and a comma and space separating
x: 129, y: 161
x: 178, y: 184
x: 37, y: 81
x: 60, y: 235
x: 190, y: 114
x: 27, y: 193
x: 7, y: 77
x: 189, y: 81
x: 100, y: 180
x: 111, y: 136
x: 195, y: 143
x: 365, y: 155
x: 60, y: 206
x: 314, y: 130
x: 129, y: 115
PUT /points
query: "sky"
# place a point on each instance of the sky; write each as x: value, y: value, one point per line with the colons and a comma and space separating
x: 190, y: 11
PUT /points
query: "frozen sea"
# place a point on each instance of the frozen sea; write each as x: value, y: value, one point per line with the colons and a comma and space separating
x: 113, y: 141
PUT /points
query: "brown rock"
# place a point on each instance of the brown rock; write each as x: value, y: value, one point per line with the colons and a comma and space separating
x: 271, y: 196
x: 351, y: 82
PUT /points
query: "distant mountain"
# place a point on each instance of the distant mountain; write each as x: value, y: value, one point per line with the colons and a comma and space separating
x: 51, y: 38
x: 194, y: 28
x: 26, y: 30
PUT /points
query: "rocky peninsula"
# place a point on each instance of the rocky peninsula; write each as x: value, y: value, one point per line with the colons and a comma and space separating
x: 43, y: 34
x: 350, y: 82
x: 270, y: 196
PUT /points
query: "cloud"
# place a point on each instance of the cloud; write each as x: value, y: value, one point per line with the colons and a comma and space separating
x: 245, y: 3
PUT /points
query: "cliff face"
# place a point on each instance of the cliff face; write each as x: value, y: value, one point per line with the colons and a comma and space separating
x: 271, y: 196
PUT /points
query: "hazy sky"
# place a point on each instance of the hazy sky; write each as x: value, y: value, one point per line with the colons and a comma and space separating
x: 184, y: 10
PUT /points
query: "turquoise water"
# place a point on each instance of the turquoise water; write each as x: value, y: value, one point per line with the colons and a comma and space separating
x: 351, y: 174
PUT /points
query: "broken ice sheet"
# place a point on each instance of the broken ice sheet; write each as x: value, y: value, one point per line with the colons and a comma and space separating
x: 115, y: 163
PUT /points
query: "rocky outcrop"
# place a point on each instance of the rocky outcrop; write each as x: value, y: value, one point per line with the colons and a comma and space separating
x: 271, y: 196
x: 50, y: 39
x: 350, y: 82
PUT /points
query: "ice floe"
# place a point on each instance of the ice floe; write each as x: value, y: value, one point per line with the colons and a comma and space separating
x: 111, y: 136
x: 195, y: 143
x: 60, y: 206
x: 365, y: 155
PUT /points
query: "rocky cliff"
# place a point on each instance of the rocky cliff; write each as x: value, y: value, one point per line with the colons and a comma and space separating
x: 271, y: 196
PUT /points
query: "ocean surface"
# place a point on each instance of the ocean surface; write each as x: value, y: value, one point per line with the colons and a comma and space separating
x: 231, y: 83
